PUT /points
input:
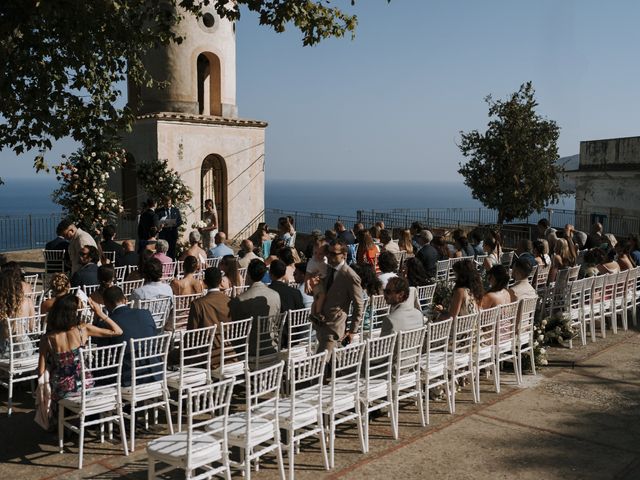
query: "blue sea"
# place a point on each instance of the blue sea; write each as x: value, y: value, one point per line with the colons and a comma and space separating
x: 33, y: 195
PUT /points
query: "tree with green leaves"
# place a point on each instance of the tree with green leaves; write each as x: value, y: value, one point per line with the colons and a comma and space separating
x: 61, y: 61
x: 512, y: 167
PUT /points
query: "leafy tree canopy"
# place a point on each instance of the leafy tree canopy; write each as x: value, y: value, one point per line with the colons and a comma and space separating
x: 512, y: 167
x: 61, y: 61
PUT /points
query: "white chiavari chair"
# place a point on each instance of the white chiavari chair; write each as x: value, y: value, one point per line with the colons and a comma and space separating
x: 407, y: 381
x: 485, y: 347
x: 435, y: 371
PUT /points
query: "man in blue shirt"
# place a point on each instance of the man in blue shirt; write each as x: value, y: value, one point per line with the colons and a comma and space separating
x: 220, y: 250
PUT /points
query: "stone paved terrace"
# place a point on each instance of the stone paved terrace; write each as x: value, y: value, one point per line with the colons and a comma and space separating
x: 577, y: 419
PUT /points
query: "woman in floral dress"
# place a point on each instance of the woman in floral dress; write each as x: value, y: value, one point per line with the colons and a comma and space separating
x: 60, y: 346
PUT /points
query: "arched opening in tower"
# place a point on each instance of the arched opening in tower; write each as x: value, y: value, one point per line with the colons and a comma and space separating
x: 213, y: 186
x: 209, y: 86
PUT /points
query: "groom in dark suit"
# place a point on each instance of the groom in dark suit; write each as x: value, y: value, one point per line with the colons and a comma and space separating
x: 342, y: 287
x: 135, y: 323
x: 170, y: 220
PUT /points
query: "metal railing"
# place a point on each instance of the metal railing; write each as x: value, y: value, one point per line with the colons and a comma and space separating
x: 306, y: 222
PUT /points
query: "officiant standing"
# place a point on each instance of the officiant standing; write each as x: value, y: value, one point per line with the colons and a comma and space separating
x: 170, y: 220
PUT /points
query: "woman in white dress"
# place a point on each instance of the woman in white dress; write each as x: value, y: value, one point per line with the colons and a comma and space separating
x: 209, y: 217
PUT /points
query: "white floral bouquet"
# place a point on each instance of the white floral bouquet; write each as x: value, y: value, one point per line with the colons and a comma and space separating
x: 199, y: 224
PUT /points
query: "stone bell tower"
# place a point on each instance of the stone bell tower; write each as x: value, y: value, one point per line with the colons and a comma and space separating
x: 193, y: 123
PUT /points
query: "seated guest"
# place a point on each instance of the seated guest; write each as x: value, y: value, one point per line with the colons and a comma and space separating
x: 404, y: 243
x: 106, y: 274
x: 606, y: 261
x: 143, y: 258
x: 194, y: 249
x: 589, y: 267
x: 623, y: 253
x: 467, y: 290
x: 229, y: 267
x: 491, y: 250
x: 188, y: 284
x: 129, y: 255
x: 286, y: 255
x: 402, y: 315
x: 388, y: 245
x: 414, y: 230
x: 276, y: 246
x: 541, y: 253
x: 13, y: 304
x: 367, y: 250
x: 580, y: 239
x: 344, y: 234
x: 562, y: 258
x: 441, y: 247
x: 162, y: 247
x: 246, y: 253
x: 317, y: 264
x: 220, y: 249
x: 596, y: 238
x: 87, y: 274
x: 476, y: 242
x: 150, y: 243
x: 299, y: 277
x: 259, y: 238
x: 634, y: 248
x: 388, y: 265
x: 290, y: 298
x: 212, y: 309
x: 524, y: 250
x: 498, y: 279
x: 330, y: 235
x: 314, y: 236
x: 258, y: 300
x: 109, y: 245
x: 59, y: 285
x: 375, y: 233
x: 521, y: 288
x: 427, y: 253
x: 135, y: 323
x: 15, y: 271
x: 414, y: 273
x: 153, y: 287
x: 60, y: 243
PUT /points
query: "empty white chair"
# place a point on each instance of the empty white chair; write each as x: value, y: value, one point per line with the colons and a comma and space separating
x: 378, y: 308
x: 442, y: 270
x: 524, y: 333
x: 194, y: 368
x: 300, y: 414
x: 205, y: 440
x: 341, y: 402
x: 435, y: 371
x: 181, y: 306
x: 460, y: 358
x: 148, y: 387
x: 100, y: 400
x: 407, y: 382
x: 621, y: 301
x: 130, y: 285
x: 485, y: 347
x: 23, y: 335
x: 295, y: 338
x: 597, y: 305
x: 256, y: 430
x: 425, y: 296
x: 376, y: 389
x: 587, y: 307
x: 234, y: 348
x: 36, y: 298
x: 264, y: 344
x: 575, y: 304
x: 506, y: 337
x: 160, y: 309
x: 179, y: 268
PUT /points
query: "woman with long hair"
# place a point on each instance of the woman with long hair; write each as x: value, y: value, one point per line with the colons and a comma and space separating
x: 286, y: 231
x: 13, y: 304
x: 261, y: 235
x: 606, y: 262
x: 415, y: 273
x: 60, y: 346
x: 624, y: 256
x: 367, y: 250
x: 370, y: 283
x: 405, y: 243
x: 467, y: 291
x: 441, y: 247
x: 188, y: 284
x: 498, y: 279
x: 15, y: 270
x: 231, y: 277
x: 561, y: 258
x: 490, y: 248
x: 540, y: 253
x: 59, y: 285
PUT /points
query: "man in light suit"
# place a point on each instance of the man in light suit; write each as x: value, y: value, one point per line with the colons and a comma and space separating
x: 521, y: 288
x: 258, y: 300
x: 403, y: 314
x: 78, y: 239
x: 212, y: 309
x: 342, y: 287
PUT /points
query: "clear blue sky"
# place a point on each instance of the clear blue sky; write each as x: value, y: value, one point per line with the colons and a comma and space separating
x: 389, y: 105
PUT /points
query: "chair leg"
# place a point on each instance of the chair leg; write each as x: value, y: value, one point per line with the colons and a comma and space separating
x: 323, y: 442
x: 179, y: 410
x: 394, y: 406
x: 291, y: 454
x: 60, y: 428
x: 452, y: 404
x: 132, y: 425
x: 167, y: 411
x: 360, y: 426
x: 280, y: 462
x: 123, y: 431
x: 473, y: 390
x: 532, y: 356
x: 420, y: 405
x: 332, y: 440
x: 10, y: 400
x: 365, y: 428
x: 151, y: 472
x: 496, y: 367
x: 81, y: 446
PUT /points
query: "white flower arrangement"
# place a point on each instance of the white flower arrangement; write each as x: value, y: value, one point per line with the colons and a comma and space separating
x: 199, y: 224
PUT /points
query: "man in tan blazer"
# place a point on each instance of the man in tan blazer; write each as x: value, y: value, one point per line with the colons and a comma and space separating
x: 212, y: 309
x: 78, y: 239
x: 342, y: 287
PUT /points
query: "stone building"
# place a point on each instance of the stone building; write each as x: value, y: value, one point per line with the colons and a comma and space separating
x: 193, y: 123
x: 607, y: 184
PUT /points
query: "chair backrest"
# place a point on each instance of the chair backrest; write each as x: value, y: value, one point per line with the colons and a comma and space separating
x: 401, y: 257
x: 506, y: 259
x: 442, y: 270
x: 464, y: 327
x: 597, y: 291
x: 531, y: 277
x: 268, y: 334
x: 587, y: 292
x: 486, y: 332
x: 130, y: 285
x: 36, y: 298
x: 437, y: 337
x: 168, y: 271
x: 609, y: 287
x: 526, y: 316
x: 195, y: 350
x: 101, y: 370
x: 425, y: 295
x: 379, y: 308
x: 234, y: 342
x: 53, y: 260
x: 452, y: 262
x: 574, y: 272
x: 621, y: 285
x: 562, y: 278
x: 159, y: 308
x: 506, y: 326
x: 237, y: 290
x: 345, y: 366
x: 90, y: 289
x: 305, y: 375
x: 298, y: 328
x: 409, y: 352
x: 149, y: 359
x: 120, y: 273
x: 212, y: 262
x: 24, y: 336
x: 179, y: 268
x: 111, y: 256
x: 132, y: 268
x: 243, y: 274
x: 262, y: 394
x: 542, y: 276
x: 378, y: 359
x: 32, y: 280
x: 181, y: 306
x: 574, y: 303
x: 206, y: 405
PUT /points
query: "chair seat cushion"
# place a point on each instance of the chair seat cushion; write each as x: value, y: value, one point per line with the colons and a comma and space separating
x: 378, y: 388
x: 144, y: 391
x: 230, y: 370
x: 191, y: 377
x: 25, y: 363
x: 103, y: 399
x: 305, y: 412
x: 261, y: 428
x: 172, y: 449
